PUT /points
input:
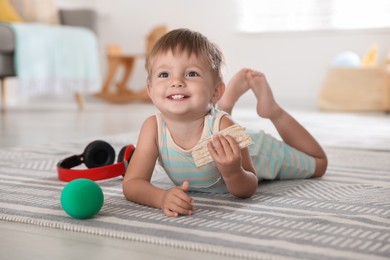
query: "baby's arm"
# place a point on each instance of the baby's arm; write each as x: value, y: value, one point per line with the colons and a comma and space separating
x: 136, y: 183
x: 292, y: 132
x: 233, y: 163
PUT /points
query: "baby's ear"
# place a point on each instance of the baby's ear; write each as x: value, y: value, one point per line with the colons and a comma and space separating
x: 148, y: 86
x: 218, y: 92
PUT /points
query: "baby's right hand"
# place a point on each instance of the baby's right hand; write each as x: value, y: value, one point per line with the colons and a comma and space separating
x: 176, y: 201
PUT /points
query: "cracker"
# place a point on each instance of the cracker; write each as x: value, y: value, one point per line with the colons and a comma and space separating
x: 201, y: 154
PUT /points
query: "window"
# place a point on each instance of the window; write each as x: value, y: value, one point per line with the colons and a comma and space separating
x: 312, y: 15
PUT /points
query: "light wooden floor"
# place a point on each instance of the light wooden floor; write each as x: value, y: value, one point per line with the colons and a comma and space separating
x: 43, y: 121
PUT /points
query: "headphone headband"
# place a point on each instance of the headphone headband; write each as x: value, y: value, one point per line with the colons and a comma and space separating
x: 94, y: 174
x: 66, y: 173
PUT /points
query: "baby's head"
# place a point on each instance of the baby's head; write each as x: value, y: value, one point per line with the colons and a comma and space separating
x: 185, y: 41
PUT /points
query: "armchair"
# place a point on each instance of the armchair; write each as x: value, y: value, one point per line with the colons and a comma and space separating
x: 78, y: 17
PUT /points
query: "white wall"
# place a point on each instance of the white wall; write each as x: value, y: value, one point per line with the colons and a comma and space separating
x: 295, y: 63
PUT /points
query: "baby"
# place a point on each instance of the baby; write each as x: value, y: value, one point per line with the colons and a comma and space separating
x: 185, y: 84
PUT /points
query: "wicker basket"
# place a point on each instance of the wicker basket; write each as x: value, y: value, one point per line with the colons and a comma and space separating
x: 356, y: 89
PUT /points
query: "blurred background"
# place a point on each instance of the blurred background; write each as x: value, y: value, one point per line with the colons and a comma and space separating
x: 291, y: 41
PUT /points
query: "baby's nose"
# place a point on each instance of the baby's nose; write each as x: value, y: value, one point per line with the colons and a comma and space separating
x: 177, y: 83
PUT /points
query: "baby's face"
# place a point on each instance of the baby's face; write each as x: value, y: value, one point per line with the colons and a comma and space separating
x: 181, y: 85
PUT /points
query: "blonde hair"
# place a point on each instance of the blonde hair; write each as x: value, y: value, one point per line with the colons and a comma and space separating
x: 190, y: 42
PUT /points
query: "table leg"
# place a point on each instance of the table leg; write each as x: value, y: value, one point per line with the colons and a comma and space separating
x: 128, y: 63
x: 3, y: 95
x: 112, y: 64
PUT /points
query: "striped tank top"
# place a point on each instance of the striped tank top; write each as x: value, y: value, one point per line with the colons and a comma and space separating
x: 179, y: 164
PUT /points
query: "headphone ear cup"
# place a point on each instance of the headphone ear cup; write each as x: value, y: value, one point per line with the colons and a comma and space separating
x: 121, y: 154
x: 98, y: 153
x: 126, y: 153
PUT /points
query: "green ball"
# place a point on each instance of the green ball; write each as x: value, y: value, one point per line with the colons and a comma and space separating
x: 82, y: 198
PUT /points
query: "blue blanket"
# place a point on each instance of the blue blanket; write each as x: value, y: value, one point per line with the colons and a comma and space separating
x: 56, y: 58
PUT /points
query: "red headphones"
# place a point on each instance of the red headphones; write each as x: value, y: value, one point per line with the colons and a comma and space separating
x: 99, y: 157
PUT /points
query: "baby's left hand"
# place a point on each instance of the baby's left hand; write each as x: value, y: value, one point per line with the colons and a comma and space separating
x: 226, y: 153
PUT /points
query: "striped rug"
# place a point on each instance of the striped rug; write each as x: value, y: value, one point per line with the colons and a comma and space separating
x: 344, y: 215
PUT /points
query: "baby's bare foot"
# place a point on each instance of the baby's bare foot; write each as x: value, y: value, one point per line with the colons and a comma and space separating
x: 266, y: 104
x: 237, y: 86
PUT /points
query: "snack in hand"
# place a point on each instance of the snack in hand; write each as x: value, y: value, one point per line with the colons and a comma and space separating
x: 201, y: 154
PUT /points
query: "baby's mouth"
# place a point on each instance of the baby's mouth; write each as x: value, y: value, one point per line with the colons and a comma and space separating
x: 177, y: 97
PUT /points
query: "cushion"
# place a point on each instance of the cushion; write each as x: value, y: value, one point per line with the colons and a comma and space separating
x: 40, y: 11
x: 8, y: 13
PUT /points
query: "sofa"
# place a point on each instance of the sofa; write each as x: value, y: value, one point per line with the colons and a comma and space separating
x: 71, y: 17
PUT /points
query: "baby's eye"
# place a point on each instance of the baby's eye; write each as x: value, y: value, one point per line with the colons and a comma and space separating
x: 192, y: 74
x: 163, y: 75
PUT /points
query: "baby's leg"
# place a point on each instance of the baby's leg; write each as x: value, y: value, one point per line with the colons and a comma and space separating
x: 237, y: 86
x: 290, y: 130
